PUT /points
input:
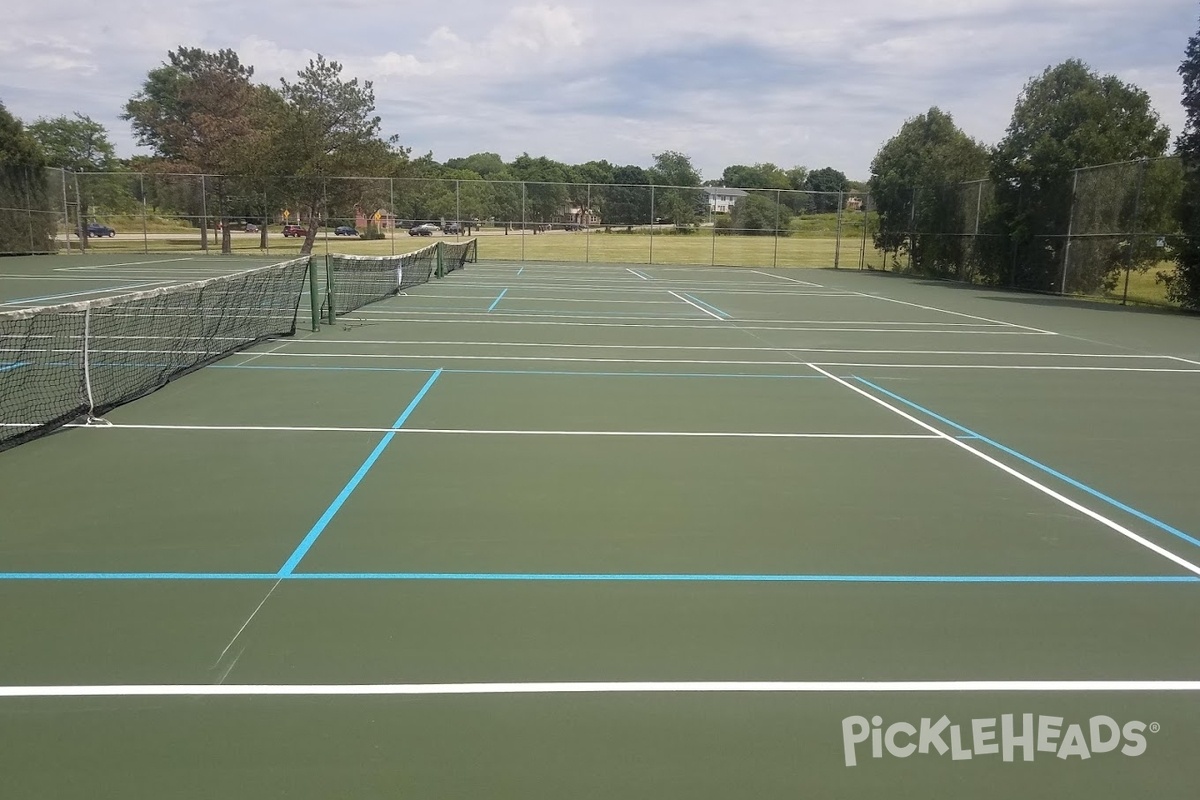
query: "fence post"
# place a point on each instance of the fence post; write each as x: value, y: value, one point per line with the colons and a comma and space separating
x: 522, y: 221
x: 314, y: 296
x: 975, y: 235
x: 775, y: 257
x: 457, y: 210
x: 1070, y: 228
x: 392, y: 211
x: 912, y: 223
x: 587, y: 228
x: 203, y: 215
x: 1133, y: 237
x: 145, y: 235
x: 862, y: 248
x: 651, y: 223
x: 837, y: 246
x: 80, y: 222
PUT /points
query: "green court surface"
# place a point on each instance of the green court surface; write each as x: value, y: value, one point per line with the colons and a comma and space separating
x: 556, y: 530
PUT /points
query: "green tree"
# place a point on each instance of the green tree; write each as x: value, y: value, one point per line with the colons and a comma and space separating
x: 916, y: 183
x: 673, y: 203
x: 27, y: 222
x: 196, y: 112
x: 328, y: 128
x: 757, y: 215
x: 627, y: 201
x: 1183, y: 285
x: 759, y: 176
x: 829, y: 181
x: 1066, y: 118
x: 79, y: 144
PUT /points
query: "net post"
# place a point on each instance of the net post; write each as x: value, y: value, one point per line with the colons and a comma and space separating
x: 329, y: 290
x: 87, y: 361
x: 314, y: 296
x: 441, y: 265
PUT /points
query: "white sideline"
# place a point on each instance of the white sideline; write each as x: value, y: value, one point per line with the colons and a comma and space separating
x: 1046, y: 490
x: 697, y: 305
x: 590, y: 687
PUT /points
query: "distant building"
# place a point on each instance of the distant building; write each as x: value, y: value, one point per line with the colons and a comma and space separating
x: 854, y: 204
x: 362, y: 219
x: 721, y: 199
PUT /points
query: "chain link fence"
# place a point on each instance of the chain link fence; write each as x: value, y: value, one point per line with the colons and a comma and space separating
x: 1106, y: 231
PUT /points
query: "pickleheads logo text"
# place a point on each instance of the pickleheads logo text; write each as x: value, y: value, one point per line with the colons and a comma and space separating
x: 1009, y: 737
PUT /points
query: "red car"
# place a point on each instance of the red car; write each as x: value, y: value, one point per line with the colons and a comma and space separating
x: 294, y: 230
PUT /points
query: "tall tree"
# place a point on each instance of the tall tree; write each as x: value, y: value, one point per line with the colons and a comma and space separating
x: 1183, y: 286
x: 81, y: 145
x: 829, y: 181
x: 328, y: 128
x: 1066, y: 118
x: 196, y: 111
x: 916, y: 182
x: 27, y: 223
x: 675, y: 204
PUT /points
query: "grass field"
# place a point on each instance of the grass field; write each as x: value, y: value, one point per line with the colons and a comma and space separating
x: 606, y: 530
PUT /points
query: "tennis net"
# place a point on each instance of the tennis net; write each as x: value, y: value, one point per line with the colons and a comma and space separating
x: 66, y: 363
x: 356, y: 281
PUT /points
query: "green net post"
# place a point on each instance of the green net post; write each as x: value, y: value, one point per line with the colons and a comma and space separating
x: 441, y: 266
x: 314, y: 296
x: 332, y: 316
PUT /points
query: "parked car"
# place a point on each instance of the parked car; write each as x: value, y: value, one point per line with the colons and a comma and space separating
x: 453, y: 227
x: 250, y: 228
x: 96, y: 229
x: 345, y: 230
x: 425, y: 229
x: 294, y: 230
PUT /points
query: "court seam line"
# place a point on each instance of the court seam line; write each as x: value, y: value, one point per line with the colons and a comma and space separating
x: 640, y: 275
x: 126, y: 264
x: 599, y: 687
x: 319, y: 527
x: 1043, y: 467
x: 694, y: 304
x: 1095, y: 515
x: 98, y: 290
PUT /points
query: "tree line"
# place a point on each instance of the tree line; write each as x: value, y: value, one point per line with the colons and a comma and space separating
x: 1026, y: 212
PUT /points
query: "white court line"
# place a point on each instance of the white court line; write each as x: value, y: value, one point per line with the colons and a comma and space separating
x: 1180, y: 358
x: 524, y: 297
x: 486, y: 432
x: 34, y: 301
x: 697, y: 305
x: 708, y: 327
x: 722, y: 348
x: 783, y: 278
x: 122, y: 264
x: 707, y: 289
x: 955, y: 313
x: 1036, y: 367
x: 640, y: 275
x: 533, y: 313
x: 591, y: 687
x: 1046, y: 490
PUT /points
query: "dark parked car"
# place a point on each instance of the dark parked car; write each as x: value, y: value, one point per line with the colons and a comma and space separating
x: 453, y: 227
x: 96, y: 229
x: 345, y: 230
x: 427, y: 229
x: 294, y: 230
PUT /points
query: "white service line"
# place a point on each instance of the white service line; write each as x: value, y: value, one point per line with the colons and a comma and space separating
x: 640, y: 275
x: 533, y: 320
x: 785, y: 278
x: 123, y: 264
x: 728, y: 348
x: 956, y: 313
x: 697, y: 305
x: 486, y: 432
x: 593, y: 687
x: 1046, y: 490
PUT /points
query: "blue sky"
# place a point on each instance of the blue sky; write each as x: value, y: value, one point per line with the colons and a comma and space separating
x: 795, y: 83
